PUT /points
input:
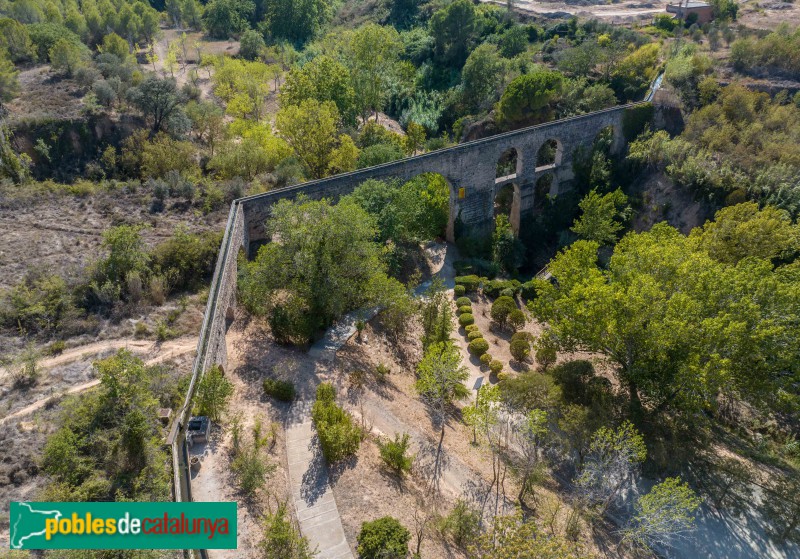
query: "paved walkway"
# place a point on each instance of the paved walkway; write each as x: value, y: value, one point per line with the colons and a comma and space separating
x: 313, y: 497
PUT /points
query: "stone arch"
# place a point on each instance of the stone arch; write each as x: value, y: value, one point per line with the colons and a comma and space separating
x: 549, y: 155
x: 507, y: 201
x: 545, y: 186
x: 509, y: 165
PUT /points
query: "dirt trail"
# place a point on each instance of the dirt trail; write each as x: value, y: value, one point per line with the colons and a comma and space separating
x: 166, y: 350
x: 600, y: 11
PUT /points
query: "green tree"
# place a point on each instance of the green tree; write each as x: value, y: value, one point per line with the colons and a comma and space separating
x: 528, y: 97
x: 482, y: 76
x: 600, y: 215
x: 67, y: 56
x: 675, y: 339
x: 384, y: 538
x: 116, y: 45
x: 9, y: 86
x: 327, y: 258
x: 213, y: 394
x: 224, y: 18
x: 501, y: 309
x: 454, y: 30
x: 664, y: 514
x: 483, y: 413
x: 415, y: 138
x: 614, y: 456
x: 744, y: 230
x: 126, y: 253
x: 251, y: 44
x: 157, y: 99
x: 394, y: 454
x: 281, y: 539
x: 15, y: 38
x: 310, y: 128
x: 324, y: 79
x: 440, y: 383
x: 510, y: 537
x: 373, y: 53
x: 296, y: 21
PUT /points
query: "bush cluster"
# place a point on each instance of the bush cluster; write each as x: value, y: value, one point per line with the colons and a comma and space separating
x: 495, y: 288
x: 338, y: 434
x: 279, y: 389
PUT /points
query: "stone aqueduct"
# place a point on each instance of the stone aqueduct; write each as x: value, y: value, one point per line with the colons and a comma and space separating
x: 469, y: 168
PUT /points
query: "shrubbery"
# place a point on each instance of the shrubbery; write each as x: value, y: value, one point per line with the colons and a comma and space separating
x: 495, y: 366
x: 465, y: 309
x: 459, y: 290
x: 466, y: 319
x: 520, y: 346
x: 478, y: 346
x: 463, y: 301
x: 279, y: 389
x: 338, y: 434
x: 474, y: 334
x: 395, y: 454
x: 486, y: 359
x: 384, y: 538
x: 470, y: 283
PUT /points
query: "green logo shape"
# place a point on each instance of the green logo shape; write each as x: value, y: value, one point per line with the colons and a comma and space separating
x: 151, y: 525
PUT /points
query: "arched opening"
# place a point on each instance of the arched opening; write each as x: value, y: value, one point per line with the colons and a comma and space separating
x: 549, y: 155
x: 507, y: 165
x: 542, y: 192
x: 507, y: 202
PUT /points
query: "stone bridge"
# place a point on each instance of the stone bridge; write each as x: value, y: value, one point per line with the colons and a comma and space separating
x: 471, y: 170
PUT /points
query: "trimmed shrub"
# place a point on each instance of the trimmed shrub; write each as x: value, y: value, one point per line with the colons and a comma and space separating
x: 470, y: 283
x: 517, y: 319
x: 384, y: 538
x: 478, y: 346
x: 495, y: 288
x: 465, y: 309
x: 501, y: 377
x: 495, y: 366
x: 471, y: 327
x: 461, y: 301
x: 507, y: 293
x: 279, y: 389
x: 486, y: 359
x: 520, y: 349
x: 466, y: 319
x: 459, y: 290
x: 473, y: 335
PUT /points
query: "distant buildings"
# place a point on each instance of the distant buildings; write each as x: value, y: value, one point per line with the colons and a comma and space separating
x: 684, y: 10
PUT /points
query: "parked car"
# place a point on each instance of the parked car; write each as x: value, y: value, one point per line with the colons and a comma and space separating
x: 198, y: 429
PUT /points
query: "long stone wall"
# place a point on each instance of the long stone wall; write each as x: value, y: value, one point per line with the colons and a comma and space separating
x: 469, y: 168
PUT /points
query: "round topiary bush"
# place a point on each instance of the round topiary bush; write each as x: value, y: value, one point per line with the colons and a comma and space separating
x: 461, y: 301
x: 486, y: 359
x: 471, y: 327
x: 478, y: 346
x: 466, y: 319
x: 474, y: 335
x: 465, y: 309
x: 384, y: 537
x: 459, y: 290
x: 502, y: 376
x: 496, y: 366
x: 508, y: 292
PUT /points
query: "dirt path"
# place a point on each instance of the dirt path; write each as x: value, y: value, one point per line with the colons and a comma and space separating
x: 167, y: 350
x: 599, y: 11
